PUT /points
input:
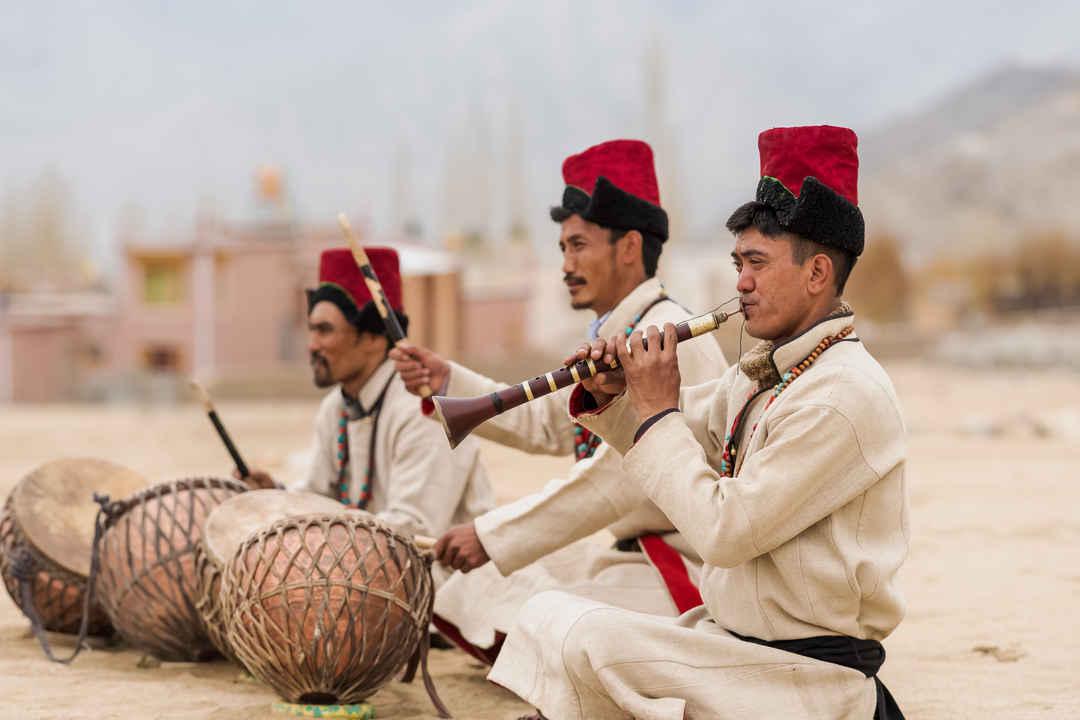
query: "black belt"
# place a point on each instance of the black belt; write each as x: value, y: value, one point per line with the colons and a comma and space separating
x: 866, y: 656
x: 630, y: 544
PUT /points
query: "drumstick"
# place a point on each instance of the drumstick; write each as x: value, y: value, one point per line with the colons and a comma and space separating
x: 222, y: 433
x: 424, y: 542
x: 393, y: 327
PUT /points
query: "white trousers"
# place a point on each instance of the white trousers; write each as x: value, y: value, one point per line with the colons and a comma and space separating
x: 483, y: 602
x: 577, y: 659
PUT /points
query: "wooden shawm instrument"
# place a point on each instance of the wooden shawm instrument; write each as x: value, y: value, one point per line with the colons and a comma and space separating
x: 227, y: 526
x: 147, y: 579
x: 460, y: 416
x: 47, y: 529
x: 390, y: 321
x: 326, y: 608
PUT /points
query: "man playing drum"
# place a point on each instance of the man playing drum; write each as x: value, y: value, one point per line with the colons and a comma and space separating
x: 786, y: 475
x: 372, y: 450
x: 612, y: 233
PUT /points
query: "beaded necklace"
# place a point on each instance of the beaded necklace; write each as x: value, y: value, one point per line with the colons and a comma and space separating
x: 343, y: 482
x: 586, y: 443
x: 727, y: 459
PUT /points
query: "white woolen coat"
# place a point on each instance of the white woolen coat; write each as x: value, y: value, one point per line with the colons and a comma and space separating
x: 420, y: 485
x: 804, y: 540
x: 535, y: 542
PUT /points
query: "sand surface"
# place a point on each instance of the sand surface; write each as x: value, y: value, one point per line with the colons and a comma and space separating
x: 992, y: 580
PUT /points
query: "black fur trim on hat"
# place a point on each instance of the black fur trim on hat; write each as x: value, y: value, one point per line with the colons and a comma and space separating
x: 819, y: 214
x: 575, y: 199
x: 614, y: 208
x: 366, y: 319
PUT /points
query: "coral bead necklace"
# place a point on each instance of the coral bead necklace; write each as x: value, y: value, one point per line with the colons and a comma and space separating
x: 727, y: 459
x: 343, y: 478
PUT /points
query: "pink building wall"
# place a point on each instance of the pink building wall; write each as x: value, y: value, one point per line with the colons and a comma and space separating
x: 43, y: 361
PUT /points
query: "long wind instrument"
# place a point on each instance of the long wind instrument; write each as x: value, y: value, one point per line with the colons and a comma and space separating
x: 460, y: 416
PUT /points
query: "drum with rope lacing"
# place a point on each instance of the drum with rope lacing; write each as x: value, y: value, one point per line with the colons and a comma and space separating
x: 147, y: 581
x: 326, y: 608
x: 226, y: 527
x: 46, y: 535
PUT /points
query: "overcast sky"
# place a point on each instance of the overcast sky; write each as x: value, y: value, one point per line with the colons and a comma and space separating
x: 171, y: 106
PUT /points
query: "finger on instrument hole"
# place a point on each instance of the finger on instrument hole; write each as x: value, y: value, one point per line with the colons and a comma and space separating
x: 635, y: 344
x: 579, y: 354
x: 653, y: 333
x: 671, y: 337
x: 611, y: 353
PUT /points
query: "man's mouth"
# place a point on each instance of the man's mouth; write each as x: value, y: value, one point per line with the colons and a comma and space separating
x: 574, y: 283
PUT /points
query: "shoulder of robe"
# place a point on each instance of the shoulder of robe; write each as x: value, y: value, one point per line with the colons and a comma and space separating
x: 848, y: 379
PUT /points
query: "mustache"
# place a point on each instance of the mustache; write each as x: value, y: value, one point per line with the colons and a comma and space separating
x: 316, y: 357
x: 573, y: 279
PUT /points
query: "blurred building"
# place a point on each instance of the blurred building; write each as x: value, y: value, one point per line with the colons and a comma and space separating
x: 226, y: 305
x: 49, y: 342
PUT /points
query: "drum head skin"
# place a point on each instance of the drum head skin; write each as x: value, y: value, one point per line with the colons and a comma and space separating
x: 242, y: 515
x: 55, y: 508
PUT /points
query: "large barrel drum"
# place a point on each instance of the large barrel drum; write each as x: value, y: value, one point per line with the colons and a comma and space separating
x: 327, y: 608
x: 147, y: 581
x: 47, y: 525
x: 226, y: 527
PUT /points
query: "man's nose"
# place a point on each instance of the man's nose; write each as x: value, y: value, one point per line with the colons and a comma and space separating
x: 745, y: 283
x: 567, y: 263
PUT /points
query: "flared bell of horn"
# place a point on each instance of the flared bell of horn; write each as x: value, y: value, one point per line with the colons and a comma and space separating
x: 460, y: 416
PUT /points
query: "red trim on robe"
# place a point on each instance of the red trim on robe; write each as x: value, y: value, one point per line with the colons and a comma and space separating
x: 669, y: 563
x: 484, y: 655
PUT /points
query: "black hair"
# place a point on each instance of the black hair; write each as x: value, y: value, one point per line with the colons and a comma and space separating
x: 366, y: 319
x: 651, y: 245
x: 763, y: 218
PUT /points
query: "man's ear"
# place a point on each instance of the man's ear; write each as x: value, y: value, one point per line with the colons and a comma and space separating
x: 630, y: 247
x: 820, y: 278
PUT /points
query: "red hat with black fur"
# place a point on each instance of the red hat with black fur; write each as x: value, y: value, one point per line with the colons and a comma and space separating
x: 613, y: 184
x: 342, y: 283
x: 810, y: 177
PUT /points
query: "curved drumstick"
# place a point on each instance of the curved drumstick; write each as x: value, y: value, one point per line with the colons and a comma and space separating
x: 222, y: 433
x: 390, y: 321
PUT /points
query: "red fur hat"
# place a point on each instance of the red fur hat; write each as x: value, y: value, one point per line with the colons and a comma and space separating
x: 628, y: 164
x: 341, y: 281
x: 810, y: 177
x: 614, y: 185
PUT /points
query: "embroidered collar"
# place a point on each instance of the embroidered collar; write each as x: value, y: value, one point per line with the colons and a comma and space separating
x: 364, y: 403
x: 766, y: 362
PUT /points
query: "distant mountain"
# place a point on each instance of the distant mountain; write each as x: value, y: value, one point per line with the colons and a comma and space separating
x: 991, y: 161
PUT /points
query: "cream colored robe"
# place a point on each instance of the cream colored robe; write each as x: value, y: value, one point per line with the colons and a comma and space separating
x: 536, y: 543
x: 804, y: 540
x: 420, y: 486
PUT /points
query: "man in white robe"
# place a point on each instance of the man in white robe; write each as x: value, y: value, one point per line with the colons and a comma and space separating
x: 786, y: 475
x: 372, y: 449
x: 611, y: 238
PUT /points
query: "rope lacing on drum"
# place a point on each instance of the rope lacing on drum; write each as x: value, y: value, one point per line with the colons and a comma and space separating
x: 23, y: 568
x: 421, y: 654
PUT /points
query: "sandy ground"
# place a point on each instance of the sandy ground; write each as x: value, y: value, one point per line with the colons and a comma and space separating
x: 993, y: 578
